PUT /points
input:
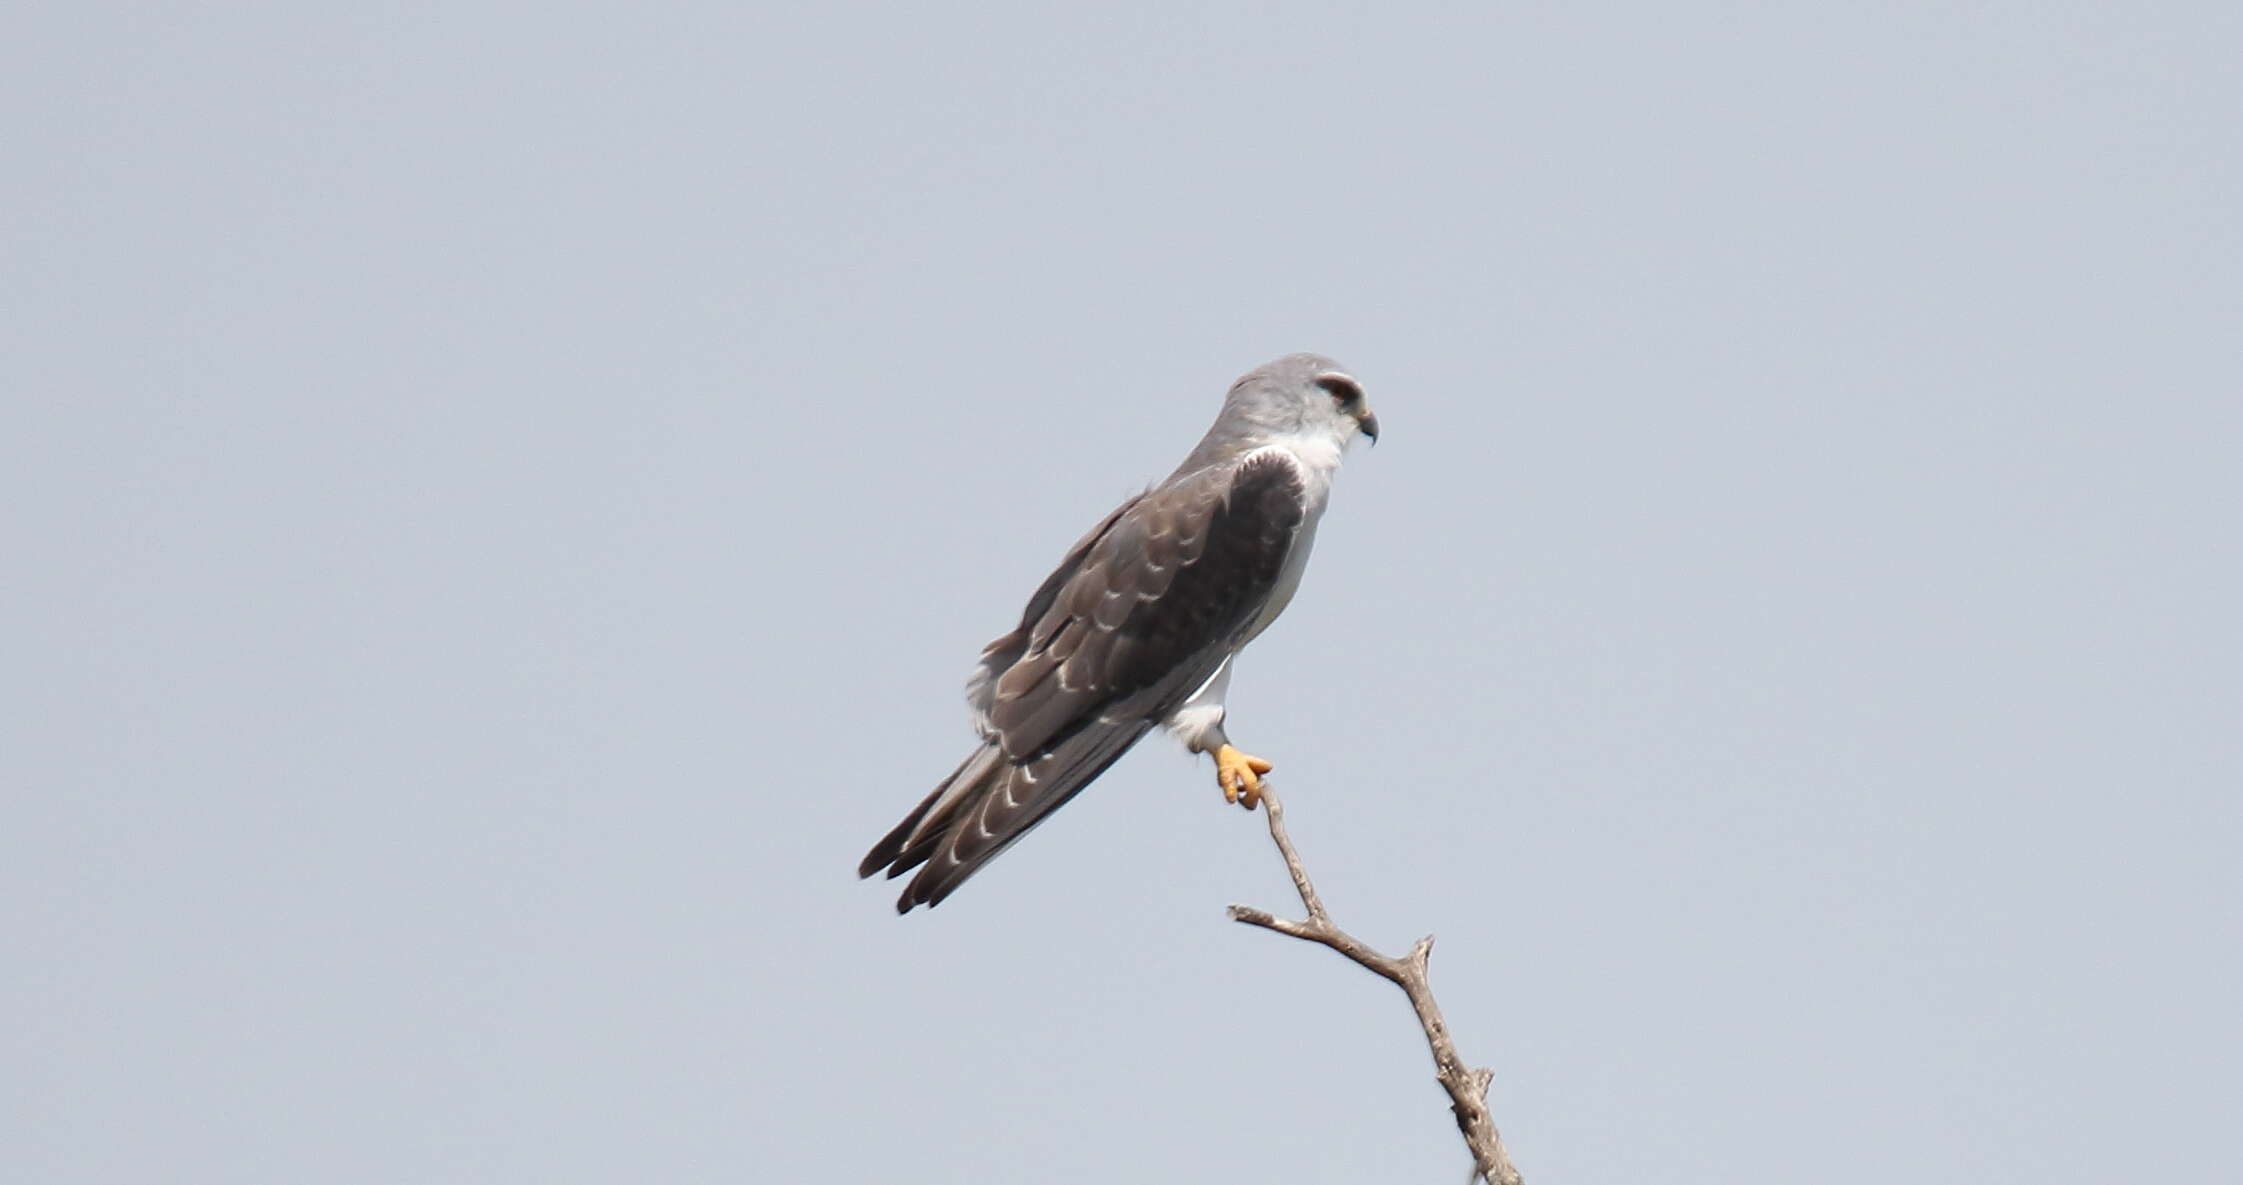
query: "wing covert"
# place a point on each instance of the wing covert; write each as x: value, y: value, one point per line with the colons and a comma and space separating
x: 1156, y: 603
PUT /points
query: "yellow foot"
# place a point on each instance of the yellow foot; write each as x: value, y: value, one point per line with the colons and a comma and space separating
x: 1239, y: 774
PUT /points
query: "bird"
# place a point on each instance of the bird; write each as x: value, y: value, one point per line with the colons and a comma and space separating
x: 1139, y: 625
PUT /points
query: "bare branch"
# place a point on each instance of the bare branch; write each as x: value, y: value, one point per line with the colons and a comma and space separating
x: 1467, y: 1087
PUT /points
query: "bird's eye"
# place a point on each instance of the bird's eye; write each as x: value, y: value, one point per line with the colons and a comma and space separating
x: 1343, y: 389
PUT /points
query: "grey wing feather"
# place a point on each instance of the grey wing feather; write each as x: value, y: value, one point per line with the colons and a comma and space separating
x: 1000, y: 654
x: 1141, y: 613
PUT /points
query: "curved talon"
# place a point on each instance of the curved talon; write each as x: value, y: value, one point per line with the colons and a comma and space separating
x: 1239, y: 775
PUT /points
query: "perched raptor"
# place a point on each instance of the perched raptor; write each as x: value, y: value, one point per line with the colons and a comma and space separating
x: 1138, y: 626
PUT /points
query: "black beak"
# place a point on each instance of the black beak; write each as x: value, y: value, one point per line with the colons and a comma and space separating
x: 1370, y: 425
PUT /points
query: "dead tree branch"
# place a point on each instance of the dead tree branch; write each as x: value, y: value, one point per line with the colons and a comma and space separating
x: 1468, y: 1088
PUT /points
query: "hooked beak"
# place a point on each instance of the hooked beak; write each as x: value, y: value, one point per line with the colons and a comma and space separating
x: 1370, y: 426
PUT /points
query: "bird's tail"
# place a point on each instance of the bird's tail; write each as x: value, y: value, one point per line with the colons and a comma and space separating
x: 986, y: 805
x: 915, y: 839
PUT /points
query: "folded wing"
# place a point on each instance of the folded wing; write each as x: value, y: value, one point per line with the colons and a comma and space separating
x: 1141, y: 613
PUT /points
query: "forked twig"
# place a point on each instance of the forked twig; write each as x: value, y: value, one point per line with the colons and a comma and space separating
x: 1468, y: 1088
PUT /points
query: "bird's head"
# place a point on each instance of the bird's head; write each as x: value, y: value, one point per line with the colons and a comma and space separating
x: 1304, y: 395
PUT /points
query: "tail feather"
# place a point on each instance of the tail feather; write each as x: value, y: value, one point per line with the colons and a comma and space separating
x: 908, y: 844
x: 956, y: 839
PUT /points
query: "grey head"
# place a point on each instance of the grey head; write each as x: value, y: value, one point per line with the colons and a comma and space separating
x: 1305, y: 399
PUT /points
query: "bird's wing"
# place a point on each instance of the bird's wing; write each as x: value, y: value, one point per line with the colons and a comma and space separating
x: 998, y: 656
x: 1128, y: 628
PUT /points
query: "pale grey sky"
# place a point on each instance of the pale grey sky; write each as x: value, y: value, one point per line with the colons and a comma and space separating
x: 501, y: 501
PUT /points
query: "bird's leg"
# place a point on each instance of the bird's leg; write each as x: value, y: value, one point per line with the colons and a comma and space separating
x: 1239, y: 774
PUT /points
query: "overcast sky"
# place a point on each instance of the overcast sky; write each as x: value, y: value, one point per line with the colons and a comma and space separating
x: 500, y: 501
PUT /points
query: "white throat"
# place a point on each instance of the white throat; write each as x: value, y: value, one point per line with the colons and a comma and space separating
x: 1318, y: 456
